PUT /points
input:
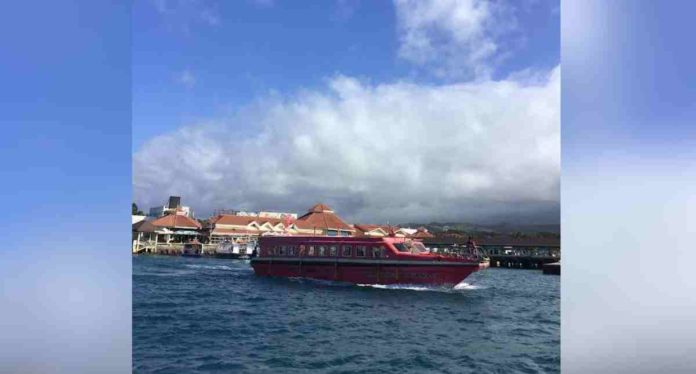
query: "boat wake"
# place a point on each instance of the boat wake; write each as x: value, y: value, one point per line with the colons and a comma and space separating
x: 467, y: 286
x: 175, y: 273
x: 463, y: 286
x: 412, y: 287
x: 209, y: 267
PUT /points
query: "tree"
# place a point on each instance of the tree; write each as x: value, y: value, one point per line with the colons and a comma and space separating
x: 136, y: 211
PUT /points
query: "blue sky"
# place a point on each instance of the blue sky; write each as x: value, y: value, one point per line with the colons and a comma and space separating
x: 236, y: 51
x: 55, y: 124
x: 629, y: 104
x: 641, y: 81
x: 65, y: 116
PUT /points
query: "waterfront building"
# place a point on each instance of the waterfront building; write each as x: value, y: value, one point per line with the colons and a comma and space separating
x: 502, y: 244
x: 323, y: 221
x: 172, y: 206
x: 422, y: 233
x: 236, y: 227
x: 377, y: 231
x: 320, y: 220
x: 177, y: 228
x: 144, y: 237
x: 262, y: 214
x: 278, y: 215
x: 168, y: 231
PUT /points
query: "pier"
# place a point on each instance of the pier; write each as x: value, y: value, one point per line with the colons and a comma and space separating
x: 513, y: 255
x: 521, y: 262
x: 168, y: 249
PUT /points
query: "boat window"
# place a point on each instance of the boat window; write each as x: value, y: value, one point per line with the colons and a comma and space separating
x: 322, y: 250
x: 376, y: 252
x: 411, y: 246
x: 282, y: 250
x: 310, y: 252
x: 291, y: 250
x: 347, y: 251
x: 333, y: 251
x: 419, y: 247
x: 302, y: 250
x: 360, y: 251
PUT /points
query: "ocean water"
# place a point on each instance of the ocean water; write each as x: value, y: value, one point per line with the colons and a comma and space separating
x: 201, y: 315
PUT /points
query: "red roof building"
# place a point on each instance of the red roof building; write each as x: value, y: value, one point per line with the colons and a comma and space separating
x: 228, y: 226
x: 382, y: 230
x: 422, y: 233
x: 371, y: 230
x: 322, y: 220
x: 319, y: 220
x: 176, y: 221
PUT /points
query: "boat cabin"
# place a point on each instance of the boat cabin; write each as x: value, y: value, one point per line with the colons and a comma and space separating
x: 342, y: 247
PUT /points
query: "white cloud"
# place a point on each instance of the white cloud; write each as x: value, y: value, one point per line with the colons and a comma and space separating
x: 400, y: 152
x: 452, y: 38
x: 186, y: 78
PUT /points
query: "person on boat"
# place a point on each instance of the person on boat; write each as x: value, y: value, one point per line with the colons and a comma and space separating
x: 471, y: 246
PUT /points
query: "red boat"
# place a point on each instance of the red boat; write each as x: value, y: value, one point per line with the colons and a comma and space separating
x: 361, y: 260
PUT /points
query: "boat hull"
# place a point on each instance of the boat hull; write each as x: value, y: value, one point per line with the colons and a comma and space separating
x: 367, y: 271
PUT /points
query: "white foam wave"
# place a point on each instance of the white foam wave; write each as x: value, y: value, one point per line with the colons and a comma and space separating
x: 467, y: 286
x: 175, y: 273
x: 209, y: 267
x: 411, y: 287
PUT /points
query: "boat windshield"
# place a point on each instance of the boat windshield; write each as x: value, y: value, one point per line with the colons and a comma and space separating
x: 411, y: 246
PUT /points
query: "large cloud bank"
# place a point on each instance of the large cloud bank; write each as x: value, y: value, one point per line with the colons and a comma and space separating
x: 476, y: 151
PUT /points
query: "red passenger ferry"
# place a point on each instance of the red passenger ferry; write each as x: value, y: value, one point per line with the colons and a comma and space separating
x: 361, y: 260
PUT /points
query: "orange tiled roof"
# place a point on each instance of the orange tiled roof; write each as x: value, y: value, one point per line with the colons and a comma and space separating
x: 363, y: 228
x: 368, y: 227
x: 422, y: 233
x: 176, y: 221
x: 321, y: 216
x: 319, y: 208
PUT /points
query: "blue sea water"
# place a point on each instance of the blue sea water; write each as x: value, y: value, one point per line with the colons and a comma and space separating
x: 200, y: 315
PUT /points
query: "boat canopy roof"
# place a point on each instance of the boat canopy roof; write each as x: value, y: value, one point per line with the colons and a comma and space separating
x: 296, y: 239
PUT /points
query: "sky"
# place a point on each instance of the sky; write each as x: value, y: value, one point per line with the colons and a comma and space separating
x: 65, y: 115
x: 387, y: 111
x: 628, y: 114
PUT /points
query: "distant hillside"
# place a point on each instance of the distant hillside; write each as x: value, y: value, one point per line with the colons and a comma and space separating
x: 542, y: 230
